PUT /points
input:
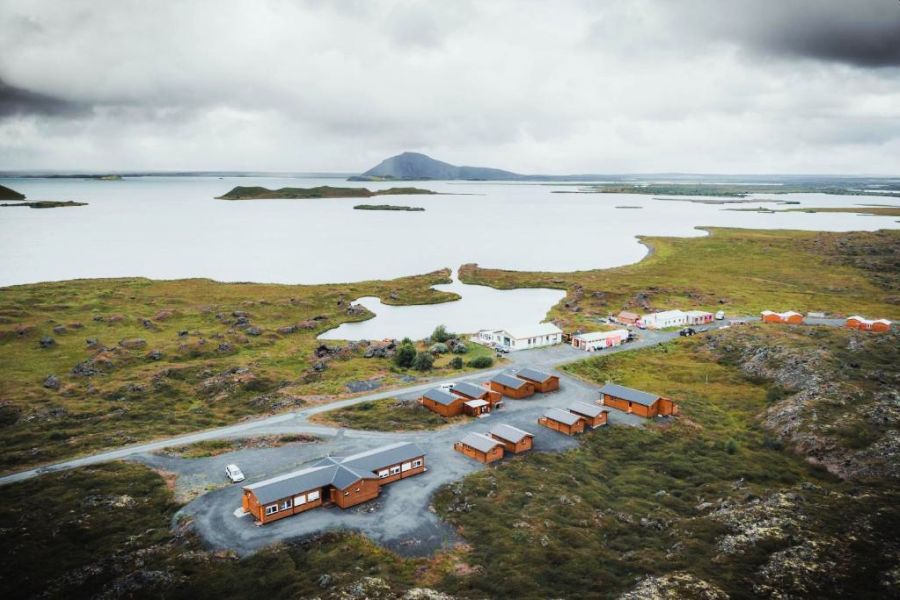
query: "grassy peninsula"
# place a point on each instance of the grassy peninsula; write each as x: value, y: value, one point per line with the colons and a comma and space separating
x: 323, y: 191
x: 735, y: 270
x: 10, y: 194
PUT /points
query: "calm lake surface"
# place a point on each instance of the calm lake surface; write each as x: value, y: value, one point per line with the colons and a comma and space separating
x: 172, y: 228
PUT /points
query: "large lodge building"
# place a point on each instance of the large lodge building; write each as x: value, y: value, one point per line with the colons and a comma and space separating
x: 344, y: 481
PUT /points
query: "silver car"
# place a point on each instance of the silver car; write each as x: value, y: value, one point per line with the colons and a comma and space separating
x: 234, y: 473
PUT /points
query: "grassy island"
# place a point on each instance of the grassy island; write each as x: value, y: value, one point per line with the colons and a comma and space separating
x: 47, y: 204
x: 10, y: 194
x: 388, y: 207
x: 323, y: 191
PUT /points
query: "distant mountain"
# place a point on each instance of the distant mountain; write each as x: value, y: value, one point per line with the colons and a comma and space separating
x: 8, y: 194
x: 413, y: 165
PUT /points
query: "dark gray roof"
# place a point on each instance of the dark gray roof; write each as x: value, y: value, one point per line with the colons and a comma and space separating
x: 440, y: 396
x: 339, y: 472
x: 469, y: 389
x: 534, y: 375
x: 509, y: 381
x: 583, y: 408
x: 385, y: 456
x: 620, y: 391
x: 563, y: 416
x: 479, y: 441
x: 510, y: 433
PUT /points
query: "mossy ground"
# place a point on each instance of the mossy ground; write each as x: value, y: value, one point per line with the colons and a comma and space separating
x: 208, y: 372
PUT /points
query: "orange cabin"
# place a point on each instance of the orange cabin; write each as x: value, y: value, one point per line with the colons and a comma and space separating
x: 562, y: 421
x: 790, y: 317
x: 593, y: 415
x: 863, y: 324
x: 345, y: 482
x: 636, y: 402
x: 470, y: 391
x: 443, y: 403
x: 512, y: 387
x: 542, y: 382
x: 480, y: 447
x: 514, y: 440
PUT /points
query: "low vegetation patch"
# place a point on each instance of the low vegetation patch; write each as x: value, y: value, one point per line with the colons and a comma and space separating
x: 388, y: 207
x: 208, y: 448
x: 388, y: 414
x: 324, y: 191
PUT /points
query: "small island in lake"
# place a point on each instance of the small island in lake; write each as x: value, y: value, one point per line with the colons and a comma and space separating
x: 8, y: 194
x: 387, y: 207
x: 323, y: 191
x: 47, y: 204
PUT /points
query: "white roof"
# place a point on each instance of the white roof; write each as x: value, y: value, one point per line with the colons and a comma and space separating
x: 781, y: 314
x: 666, y: 314
x: 527, y: 331
x: 869, y: 321
x: 601, y: 335
x: 476, y: 403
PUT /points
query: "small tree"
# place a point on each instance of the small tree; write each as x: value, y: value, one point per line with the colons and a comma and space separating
x: 456, y: 363
x: 440, y: 334
x: 439, y: 348
x: 405, y: 356
x: 460, y: 348
x: 423, y: 361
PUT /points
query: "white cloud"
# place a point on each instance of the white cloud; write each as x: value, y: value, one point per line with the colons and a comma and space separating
x: 562, y: 87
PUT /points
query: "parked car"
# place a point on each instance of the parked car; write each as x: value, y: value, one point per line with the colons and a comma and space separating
x: 234, y: 473
x: 447, y: 386
x: 720, y: 315
x: 502, y: 350
x: 687, y: 331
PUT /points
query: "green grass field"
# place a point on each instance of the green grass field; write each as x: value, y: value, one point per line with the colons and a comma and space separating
x: 388, y: 414
x: 199, y: 365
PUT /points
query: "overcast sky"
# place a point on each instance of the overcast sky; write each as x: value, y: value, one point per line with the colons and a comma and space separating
x: 727, y: 86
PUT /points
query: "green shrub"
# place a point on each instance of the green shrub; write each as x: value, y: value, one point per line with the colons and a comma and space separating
x: 439, y: 348
x: 456, y: 363
x: 423, y: 361
x: 481, y: 362
x: 731, y: 446
x: 460, y: 348
x: 405, y: 356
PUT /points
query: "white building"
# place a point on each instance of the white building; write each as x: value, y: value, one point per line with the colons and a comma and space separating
x: 520, y: 338
x: 698, y: 317
x: 662, y: 320
x: 597, y: 340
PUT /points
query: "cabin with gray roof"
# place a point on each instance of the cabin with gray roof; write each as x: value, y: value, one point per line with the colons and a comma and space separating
x: 594, y: 416
x: 480, y: 447
x: 346, y: 482
x: 514, y: 440
x: 443, y: 402
x: 511, y: 387
x: 562, y: 421
x: 543, y: 382
x: 636, y: 402
x: 470, y: 391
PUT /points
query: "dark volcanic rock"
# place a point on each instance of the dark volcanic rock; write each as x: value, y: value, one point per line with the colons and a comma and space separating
x: 51, y: 382
x: 47, y: 342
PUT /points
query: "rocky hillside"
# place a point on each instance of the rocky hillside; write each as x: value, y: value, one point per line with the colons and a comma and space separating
x: 834, y: 393
x: 412, y: 166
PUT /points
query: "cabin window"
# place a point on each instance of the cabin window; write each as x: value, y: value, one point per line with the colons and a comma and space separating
x: 417, y: 463
x: 272, y: 509
x: 395, y: 469
x: 298, y: 500
x: 406, y: 466
x: 312, y: 496
x: 383, y: 473
x: 346, y: 493
x: 286, y: 504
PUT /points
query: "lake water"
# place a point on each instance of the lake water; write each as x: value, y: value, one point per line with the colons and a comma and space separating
x: 172, y: 227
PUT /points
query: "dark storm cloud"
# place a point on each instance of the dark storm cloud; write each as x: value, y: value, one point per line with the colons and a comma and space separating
x: 19, y: 101
x: 863, y: 33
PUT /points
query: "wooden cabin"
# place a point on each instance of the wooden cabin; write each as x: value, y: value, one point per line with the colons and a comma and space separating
x: 562, y: 421
x: 514, y: 440
x: 471, y: 391
x: 480, y: 447
x: 593, y: 415
x: 477, y: 408
x: 791, y: 317
x: 512, y: 387
x: 863, y: 324
x: 542, y: 382
x: 344, y: 482
x: 443, y: 403
x: 628, y: 318
x: 636, y: 402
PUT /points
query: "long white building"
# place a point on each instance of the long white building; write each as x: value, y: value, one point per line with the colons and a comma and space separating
x: 520, y: 338
x: 661, y: 320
